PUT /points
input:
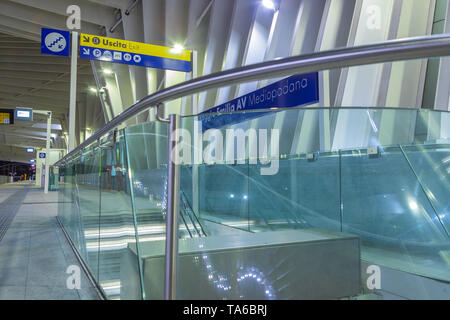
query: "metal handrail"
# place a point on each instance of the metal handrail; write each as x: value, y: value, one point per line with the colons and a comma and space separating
x: 393, y: 50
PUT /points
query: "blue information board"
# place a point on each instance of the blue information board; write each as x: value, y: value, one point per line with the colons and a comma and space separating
x: 24, y: 114
x: 42, y: 155
x: 55, y: 42
x: 295, y: 91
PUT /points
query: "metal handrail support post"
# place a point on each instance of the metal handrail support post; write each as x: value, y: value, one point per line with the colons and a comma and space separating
x: 160, y: 113
x: 173, y: 198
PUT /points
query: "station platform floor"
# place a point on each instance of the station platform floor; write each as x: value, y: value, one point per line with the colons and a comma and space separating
x: 34, y: 253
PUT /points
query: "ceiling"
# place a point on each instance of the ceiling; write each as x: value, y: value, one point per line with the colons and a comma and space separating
x: 30, y: 79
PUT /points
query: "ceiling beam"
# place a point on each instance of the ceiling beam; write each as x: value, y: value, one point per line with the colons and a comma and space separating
x: 57, y: 103
x: 11, y: 104
x: 14, y: 158
x: 47, y: 68
x: 25, y: 26
x: 42, y: 93
x: 12, y: 39
x: 28, y: 125
x: 32, y: 134
x: 20, y: 45
x: 19, y: 33
x: 90, y: 12
x: 14, y: 139
x: 43, y: 59
x: 64, y: 77
x: 32, y: 84
x: 24, y: 145
x: 119, y: 4
x: 41, y: 17
x: 27, y: 136
x: 28, y: 53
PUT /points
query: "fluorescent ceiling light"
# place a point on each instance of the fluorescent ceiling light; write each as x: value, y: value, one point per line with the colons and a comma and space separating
x: 268, y: 4
x: 177, y: 48
x: 44, y: 126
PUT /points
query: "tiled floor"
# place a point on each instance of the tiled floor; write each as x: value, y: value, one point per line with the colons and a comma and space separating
x: 34, y: 254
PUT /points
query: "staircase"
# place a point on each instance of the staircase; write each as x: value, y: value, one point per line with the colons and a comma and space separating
x: 105, y: 245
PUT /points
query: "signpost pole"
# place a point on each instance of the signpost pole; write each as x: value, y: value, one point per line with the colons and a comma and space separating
x: 194, y: 102
x: 47, y: 151
x: 73, y: 90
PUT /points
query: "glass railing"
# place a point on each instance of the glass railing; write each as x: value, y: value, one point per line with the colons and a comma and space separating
x: 104, y: 216
x: 395, y: 198
x: 274, y: 204
x: 98, y: 213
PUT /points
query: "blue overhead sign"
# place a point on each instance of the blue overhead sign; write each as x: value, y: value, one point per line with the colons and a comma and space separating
x: 24, y: 114
x: 295, y: 91
x: 134, y: 53
x: 42, y: 155
x: 55, y: 42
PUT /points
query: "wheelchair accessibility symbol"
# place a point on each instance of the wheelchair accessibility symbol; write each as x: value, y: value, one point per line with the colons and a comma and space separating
x: 55, y: 42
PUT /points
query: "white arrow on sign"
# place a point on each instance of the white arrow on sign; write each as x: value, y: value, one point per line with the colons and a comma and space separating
x: 86, y: 51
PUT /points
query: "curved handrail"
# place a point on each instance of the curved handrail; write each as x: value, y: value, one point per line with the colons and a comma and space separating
x: 393, y: 50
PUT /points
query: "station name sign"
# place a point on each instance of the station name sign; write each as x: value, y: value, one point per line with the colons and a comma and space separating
x: 295, y: 91
x: 133, y: 53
